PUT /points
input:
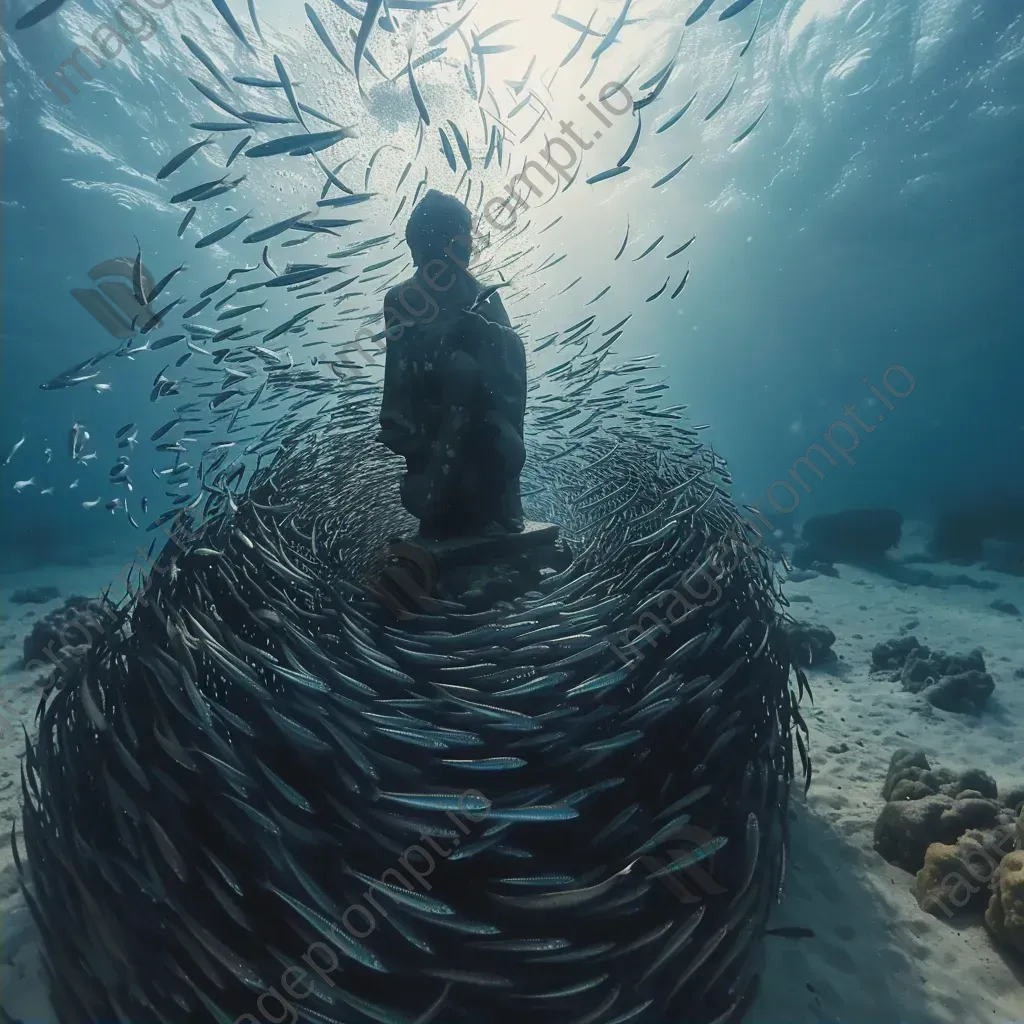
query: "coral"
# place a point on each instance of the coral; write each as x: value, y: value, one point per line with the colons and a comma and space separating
x: 911, y: 789
x: 1014, y: 798
x: 979, y: 781
x: 922, y: 665
x: 910, y: 768
x: 905, y: 829
x: 892, y: 654
x: 903, y: 762
x: 927, y: 806
x: 950, y: 683
x: 1005, y: 913
x: 959, y: 840
x: 74, y: 624
x: 963, y: 694
x: 810, y: 644
x: 954, y: 878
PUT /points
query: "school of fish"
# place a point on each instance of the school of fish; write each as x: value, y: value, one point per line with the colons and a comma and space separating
x: 240, y: 767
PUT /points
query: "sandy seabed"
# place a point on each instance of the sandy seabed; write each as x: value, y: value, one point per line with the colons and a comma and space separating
x: 876, y: 957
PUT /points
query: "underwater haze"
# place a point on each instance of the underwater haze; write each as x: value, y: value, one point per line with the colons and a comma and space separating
x: 764, y: 259
x: 870, y: 219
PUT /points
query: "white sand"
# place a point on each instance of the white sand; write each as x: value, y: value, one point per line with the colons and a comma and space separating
x: 22, y: 993
x: 876, y: 957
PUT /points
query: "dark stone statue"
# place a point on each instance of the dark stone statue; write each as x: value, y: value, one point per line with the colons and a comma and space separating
x: 454, y: 384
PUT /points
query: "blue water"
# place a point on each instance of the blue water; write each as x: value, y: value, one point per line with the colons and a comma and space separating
x: 871, y: 220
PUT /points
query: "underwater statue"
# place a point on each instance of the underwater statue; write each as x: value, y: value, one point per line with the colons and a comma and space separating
x: 454, y: 384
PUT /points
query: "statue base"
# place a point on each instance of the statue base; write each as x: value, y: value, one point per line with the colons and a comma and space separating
x: 420, y: 574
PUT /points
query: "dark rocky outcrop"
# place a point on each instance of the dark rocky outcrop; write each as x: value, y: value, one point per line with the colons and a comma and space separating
x: 906, y: 764
x: 864, y: 537
x: 976, y: 780
x: 35, y: 595
x: 954, y: 683
x: 1014, y: 799
x: 891, y: 654
x: 803, y: 575
x: 1006, y: 607
x: 949, y: 682
x: 963, y: 694
x: 923, y: 664
x: 958, y: 537
x: 911, y: 766
x: 961, y: 533
x: 860, y: 536
x: 1004, y: 556
x: 810, y: 644
x: 500, y: 567
x: 73, y: 624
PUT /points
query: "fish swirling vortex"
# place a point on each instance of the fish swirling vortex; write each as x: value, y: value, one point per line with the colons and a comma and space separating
x: 245, y: 753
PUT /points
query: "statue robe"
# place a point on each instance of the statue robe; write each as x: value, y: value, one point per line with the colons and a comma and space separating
x: 462, y: 439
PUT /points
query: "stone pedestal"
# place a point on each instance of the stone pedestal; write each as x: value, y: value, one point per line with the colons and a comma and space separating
x: 478, y: 571
x: 462, y: 551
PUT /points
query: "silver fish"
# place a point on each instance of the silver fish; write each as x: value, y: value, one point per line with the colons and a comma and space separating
x: 229, y: 19
x: 721, y: 103
x: 221, y: 232
x: 665, y: 178
x: 365, y: 28
x: 176, y: 161
x: 613, y: 32
x: 205, y: 59
x: 14, y: 451
x: 325, y: 38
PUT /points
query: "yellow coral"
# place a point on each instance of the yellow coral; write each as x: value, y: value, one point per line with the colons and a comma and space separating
x: 1005, y: 913
x: 954, y: 879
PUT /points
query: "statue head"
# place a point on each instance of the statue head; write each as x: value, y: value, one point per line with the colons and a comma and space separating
x: 440, y: 228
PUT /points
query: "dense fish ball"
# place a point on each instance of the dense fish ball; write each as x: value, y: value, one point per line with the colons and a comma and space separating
x: 263, y: 795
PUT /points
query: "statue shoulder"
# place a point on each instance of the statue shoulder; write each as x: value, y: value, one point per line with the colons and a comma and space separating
x: 494, y: 310
x: 396, y: 303
x: 393, y: 294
